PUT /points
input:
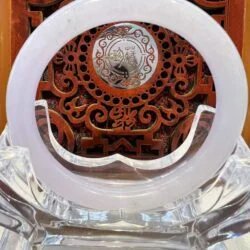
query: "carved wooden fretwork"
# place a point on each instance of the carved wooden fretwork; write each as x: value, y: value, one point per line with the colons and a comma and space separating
x: 92, y: 118
x: 146, y: 121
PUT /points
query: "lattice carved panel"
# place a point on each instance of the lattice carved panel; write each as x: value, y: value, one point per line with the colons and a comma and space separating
x: 91, y: 117
x: 108, y: 108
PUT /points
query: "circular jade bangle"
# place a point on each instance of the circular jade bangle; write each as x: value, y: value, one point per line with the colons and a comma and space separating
x: 179, y: 16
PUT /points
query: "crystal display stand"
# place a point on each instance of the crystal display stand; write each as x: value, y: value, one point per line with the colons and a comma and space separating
x: 33, y: 217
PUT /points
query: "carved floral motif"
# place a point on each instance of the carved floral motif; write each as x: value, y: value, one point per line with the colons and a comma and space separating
x: 149, y: 121
x: 138, y: 122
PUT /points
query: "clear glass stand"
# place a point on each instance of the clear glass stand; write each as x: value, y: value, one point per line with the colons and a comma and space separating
x: 33, y: 217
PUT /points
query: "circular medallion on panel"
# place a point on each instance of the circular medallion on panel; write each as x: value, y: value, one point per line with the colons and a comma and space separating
x: 125, y: 55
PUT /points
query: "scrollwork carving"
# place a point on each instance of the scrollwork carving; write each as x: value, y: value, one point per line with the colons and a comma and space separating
x: 136, y: 120
x: 143, y: 122
x: 71, y: 86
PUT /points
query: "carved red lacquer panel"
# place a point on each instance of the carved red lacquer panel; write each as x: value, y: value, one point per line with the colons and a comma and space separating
x: 106, y: 115
x: 141, y: 118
